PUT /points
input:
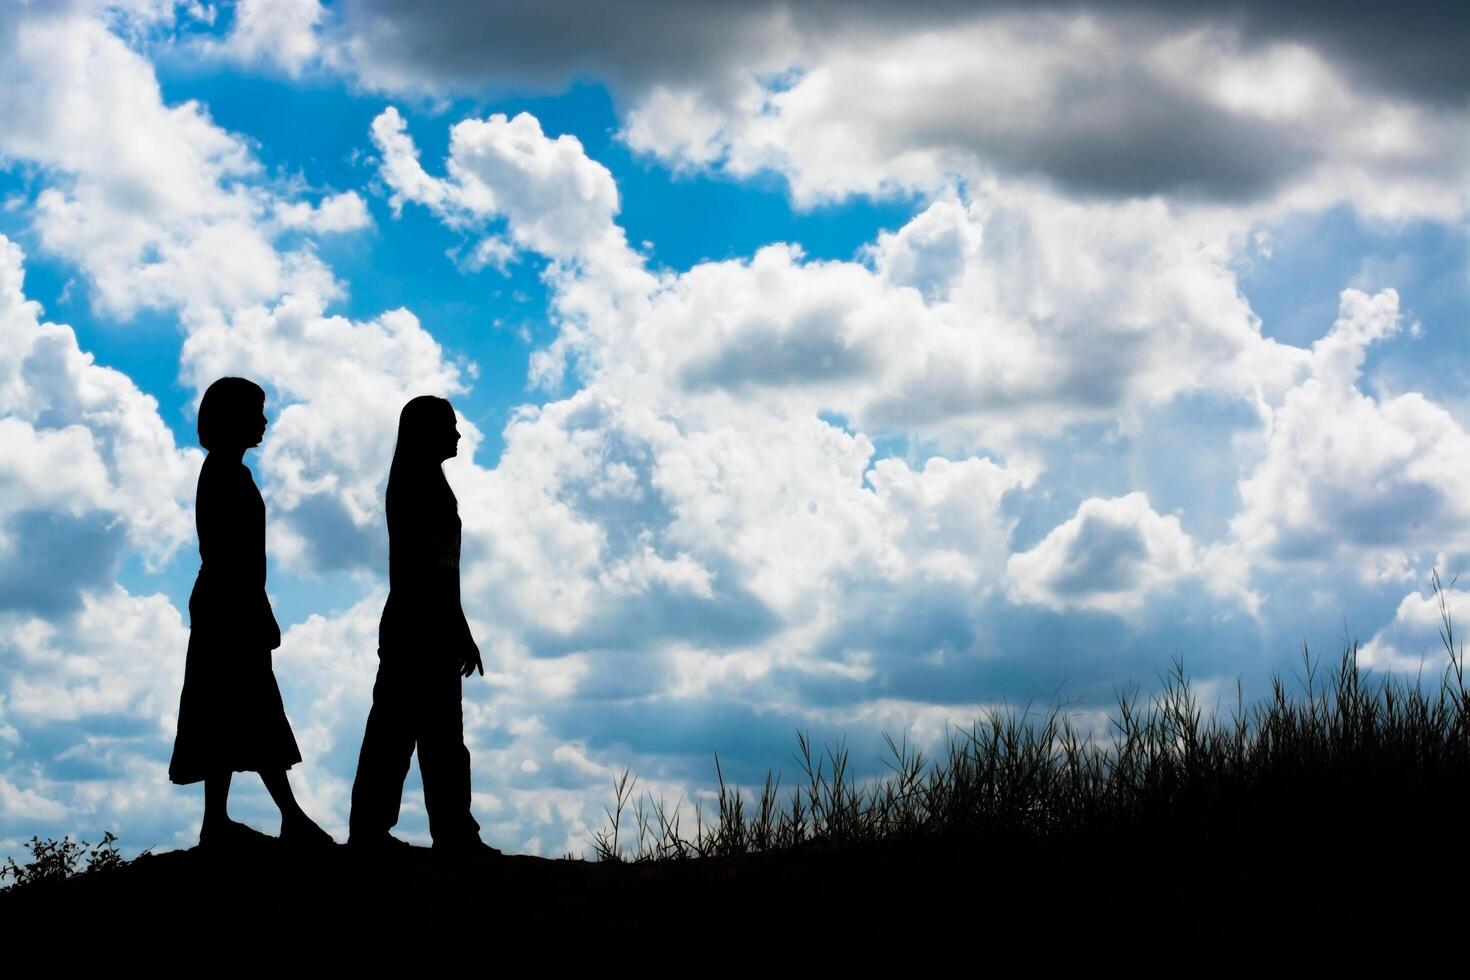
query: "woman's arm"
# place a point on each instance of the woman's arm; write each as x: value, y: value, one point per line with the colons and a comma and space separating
x: 423, y: 563
x: 230, y: 520
x: 467, y: 650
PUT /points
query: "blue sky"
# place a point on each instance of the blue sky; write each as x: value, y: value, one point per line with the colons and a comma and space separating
x: 852, y: 380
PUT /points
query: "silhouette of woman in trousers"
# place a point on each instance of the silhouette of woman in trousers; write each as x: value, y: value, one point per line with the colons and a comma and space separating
x: 230, y: 714
x: 424, y: 648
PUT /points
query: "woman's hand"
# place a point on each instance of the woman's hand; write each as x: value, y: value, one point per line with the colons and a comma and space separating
x: 272, y: 628
x: 469, y: 660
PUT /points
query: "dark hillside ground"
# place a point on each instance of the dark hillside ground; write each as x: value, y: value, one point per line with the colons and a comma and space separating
x: 1325, y: 822
x: 1355, y: 864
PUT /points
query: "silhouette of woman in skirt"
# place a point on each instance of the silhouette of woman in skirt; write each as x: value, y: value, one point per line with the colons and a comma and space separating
x: 230, y: 714
x: 424, y: 648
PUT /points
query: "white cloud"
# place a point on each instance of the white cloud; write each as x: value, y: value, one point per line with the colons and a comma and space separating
x: 149, y: 201
x: 952, y: 525
x: 23, y: 804
x: 1347, y: 474
x: 1412, y: 642
x: 334, y: 213
x: 985, y: 323
x: 280, y: 32
x: 93, y: 695
x: 931, y: 252
x: 493, y: 250
x: 118, y: 655
x: 638, y: 533
x: 680, y: 128
x: 555, y: 199
x: 82, y: 440
x: 697, y: 447
x: 156, y: 204
x: 400, y: 168
x: 1113, y: 555
x: 51, y: 468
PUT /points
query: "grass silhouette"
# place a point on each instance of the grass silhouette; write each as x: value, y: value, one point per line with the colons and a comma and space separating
x: 1350, y: 741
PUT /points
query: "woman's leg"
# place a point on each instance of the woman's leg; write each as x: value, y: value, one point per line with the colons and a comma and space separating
x: 444, y: 760
x: 216, y: 798
x: 279, y: 788
x: 296, y: 826
x: 387, y: 750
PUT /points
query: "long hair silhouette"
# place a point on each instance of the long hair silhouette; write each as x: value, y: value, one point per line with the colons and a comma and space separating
x: 424, y: 425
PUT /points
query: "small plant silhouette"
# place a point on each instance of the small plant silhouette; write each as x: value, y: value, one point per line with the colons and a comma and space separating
x: 53, y: 860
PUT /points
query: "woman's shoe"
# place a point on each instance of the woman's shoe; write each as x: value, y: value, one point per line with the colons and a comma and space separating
x: 468, y: 847
x: 229, y: 834
x: 302, y: 832
x: 379, y: 843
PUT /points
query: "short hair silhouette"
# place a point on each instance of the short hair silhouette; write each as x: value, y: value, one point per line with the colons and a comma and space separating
x: 226, y: 412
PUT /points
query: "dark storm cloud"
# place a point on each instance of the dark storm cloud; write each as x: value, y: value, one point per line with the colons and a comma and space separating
x: 53, y: 557
x: 1108, y: 130
x: 731, y: 616
x: 1128, y: 136
x: 1089, y: 386
x: 1029, y: 658
x: 1105, y: 556
x: 813, y: 348
x: 1420, y: 48
x: 688, y: 732
x: 668, y: 725
x: 468, y: 45
x: 1386, y: 519
x: 334, y: 540
x: 1417, y: 47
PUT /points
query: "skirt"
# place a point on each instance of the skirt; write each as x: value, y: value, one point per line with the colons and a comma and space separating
x: 231, y: 718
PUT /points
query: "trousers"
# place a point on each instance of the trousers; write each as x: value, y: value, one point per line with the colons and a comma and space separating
x: 416, y: 704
